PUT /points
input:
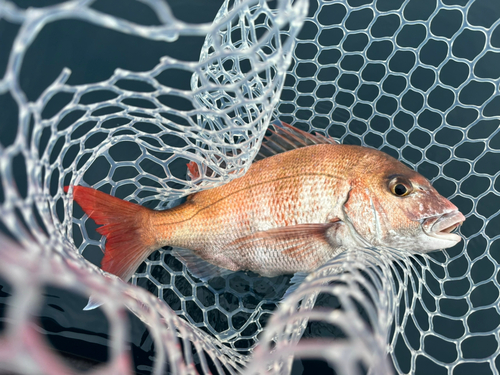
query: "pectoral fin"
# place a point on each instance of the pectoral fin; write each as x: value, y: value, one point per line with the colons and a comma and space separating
x: 92, y: 304
x: 295, y: 282
x: 290, y: 249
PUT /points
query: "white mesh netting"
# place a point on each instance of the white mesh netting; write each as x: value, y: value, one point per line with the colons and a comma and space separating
x: 149, y: 91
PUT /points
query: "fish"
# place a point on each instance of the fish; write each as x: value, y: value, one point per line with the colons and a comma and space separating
x: 304, y: 201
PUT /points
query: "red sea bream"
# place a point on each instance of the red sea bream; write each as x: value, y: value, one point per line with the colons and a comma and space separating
x: 291, y: 212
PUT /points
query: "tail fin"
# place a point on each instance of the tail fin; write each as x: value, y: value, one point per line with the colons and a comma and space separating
x: 125, y: 225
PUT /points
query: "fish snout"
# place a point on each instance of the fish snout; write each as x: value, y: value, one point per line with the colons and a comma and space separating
x: 442, y: 227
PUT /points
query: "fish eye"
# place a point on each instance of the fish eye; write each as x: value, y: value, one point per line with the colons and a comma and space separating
x: 400, y: 187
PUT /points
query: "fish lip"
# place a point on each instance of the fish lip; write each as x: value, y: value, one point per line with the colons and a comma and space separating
x: 442, y: 226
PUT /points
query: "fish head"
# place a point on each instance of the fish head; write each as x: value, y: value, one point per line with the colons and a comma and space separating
x: 394, y: 206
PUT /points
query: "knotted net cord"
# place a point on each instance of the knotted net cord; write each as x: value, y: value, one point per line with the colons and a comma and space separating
x: 417, y: 81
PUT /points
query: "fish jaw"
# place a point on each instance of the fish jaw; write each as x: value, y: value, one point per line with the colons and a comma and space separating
x: 438, y: 230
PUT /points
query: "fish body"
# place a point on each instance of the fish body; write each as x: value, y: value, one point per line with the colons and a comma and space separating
x: 259, y: 221
x: 291, y: 212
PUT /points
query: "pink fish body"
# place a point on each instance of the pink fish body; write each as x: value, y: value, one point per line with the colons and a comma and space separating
x: 291, y: 212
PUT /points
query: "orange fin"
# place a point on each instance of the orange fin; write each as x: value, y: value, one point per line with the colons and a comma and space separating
x: 285, y: 137
x: 127, y: 243
x: 308, y: 245
x: 193, y: 170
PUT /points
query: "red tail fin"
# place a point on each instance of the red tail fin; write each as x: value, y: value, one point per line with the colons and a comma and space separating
x: 125, y: 226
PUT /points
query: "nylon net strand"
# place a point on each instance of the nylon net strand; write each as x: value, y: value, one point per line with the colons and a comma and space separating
x: 413, y: 79
x: 419, y: 82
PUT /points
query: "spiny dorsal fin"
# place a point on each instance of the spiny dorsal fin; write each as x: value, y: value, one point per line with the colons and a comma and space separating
x: 285, y: 137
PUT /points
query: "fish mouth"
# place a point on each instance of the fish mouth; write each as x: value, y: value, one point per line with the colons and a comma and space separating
x: 442, y: 227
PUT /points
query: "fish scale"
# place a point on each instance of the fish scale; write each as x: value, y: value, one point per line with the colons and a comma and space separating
x: 267, y: 197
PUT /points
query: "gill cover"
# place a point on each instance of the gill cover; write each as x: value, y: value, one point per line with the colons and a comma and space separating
x: 361, y: 217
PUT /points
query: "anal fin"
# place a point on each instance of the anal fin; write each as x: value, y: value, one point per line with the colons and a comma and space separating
x: 198, y: 267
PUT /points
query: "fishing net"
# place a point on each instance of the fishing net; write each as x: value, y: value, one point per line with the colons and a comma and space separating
x: 416, y: 79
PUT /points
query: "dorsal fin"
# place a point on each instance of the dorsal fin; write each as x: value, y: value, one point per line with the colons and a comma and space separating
x: 285, y: 137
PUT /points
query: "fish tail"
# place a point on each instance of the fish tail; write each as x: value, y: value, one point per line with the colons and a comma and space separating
x: 129, y: 240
